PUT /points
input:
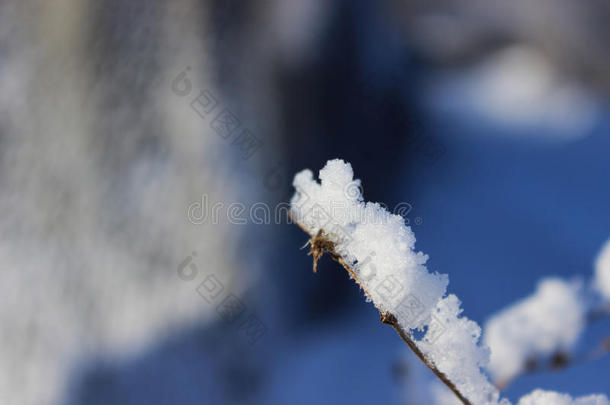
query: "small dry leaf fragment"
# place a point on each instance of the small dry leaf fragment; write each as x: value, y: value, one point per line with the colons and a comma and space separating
x: 319, y: 244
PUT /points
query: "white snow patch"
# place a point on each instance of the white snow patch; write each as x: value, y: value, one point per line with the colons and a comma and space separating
x: 602, y: 271
x: 540, y: 397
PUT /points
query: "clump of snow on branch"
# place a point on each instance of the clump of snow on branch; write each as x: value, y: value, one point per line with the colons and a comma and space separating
x: 549, y: 321
x: 376, y: 243
x: 540, y: 397
x: 380, y: 247
x: 451, y: 342
x: 602, y: 272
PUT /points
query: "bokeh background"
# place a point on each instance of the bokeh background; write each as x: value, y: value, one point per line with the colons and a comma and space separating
x: 488, y: 119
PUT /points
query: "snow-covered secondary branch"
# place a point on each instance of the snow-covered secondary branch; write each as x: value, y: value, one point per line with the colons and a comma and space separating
x: 377, y: 249
x: 548, y: 322
x: 540, y: 331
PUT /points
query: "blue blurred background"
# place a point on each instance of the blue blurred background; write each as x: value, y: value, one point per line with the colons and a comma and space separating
x: 489, y: 120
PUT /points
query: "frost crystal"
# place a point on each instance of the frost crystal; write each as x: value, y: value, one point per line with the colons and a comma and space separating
x: 540, y: 397
x: 380, y: 248
x: 451, y: 342
x: 549, y: 321
x: 602, y: 272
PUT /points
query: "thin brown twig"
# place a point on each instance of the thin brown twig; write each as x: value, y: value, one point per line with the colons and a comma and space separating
x: 319, y: 245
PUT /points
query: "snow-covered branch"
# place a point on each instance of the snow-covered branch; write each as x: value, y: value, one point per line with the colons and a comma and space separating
x: 378, y: 251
